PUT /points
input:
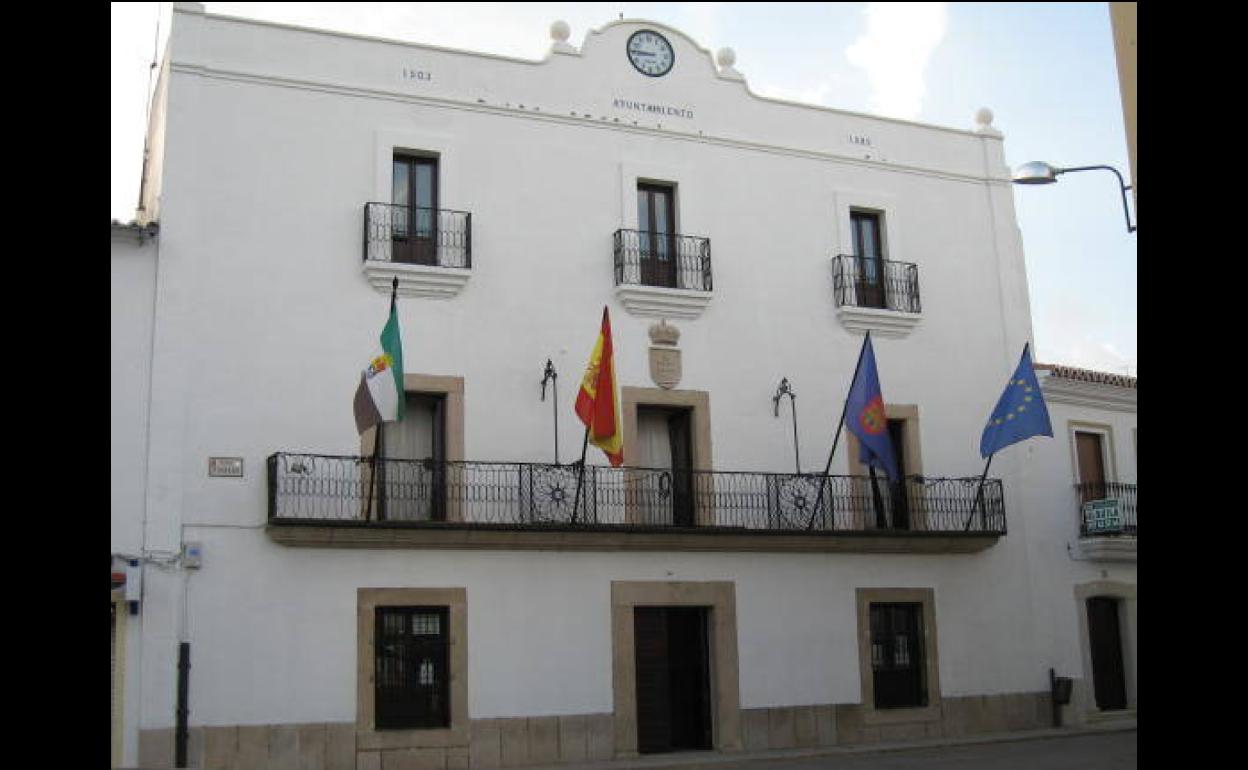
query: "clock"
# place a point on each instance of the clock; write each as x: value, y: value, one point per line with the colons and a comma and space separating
x: 650, y: 53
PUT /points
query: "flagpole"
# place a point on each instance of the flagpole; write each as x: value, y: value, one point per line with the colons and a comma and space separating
x: 580, y: 476
x: 372, y: 479
x: 839, y: 424
x: 979, y: 495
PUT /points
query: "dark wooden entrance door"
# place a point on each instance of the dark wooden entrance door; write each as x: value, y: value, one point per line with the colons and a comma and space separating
x: 1105, y: 640
x: 415, y: 214
x: 656, y: 221
x: 673, y: 679
x: 868, y: 259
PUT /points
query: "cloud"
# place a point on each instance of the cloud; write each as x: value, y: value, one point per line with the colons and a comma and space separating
x: 1072, y: 332
x: 894, y: 51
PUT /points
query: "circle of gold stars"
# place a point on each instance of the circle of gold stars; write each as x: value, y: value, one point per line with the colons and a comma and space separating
x: 1021, y: 407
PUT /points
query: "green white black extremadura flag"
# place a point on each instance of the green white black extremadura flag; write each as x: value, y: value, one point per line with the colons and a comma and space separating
x: 379, y: 398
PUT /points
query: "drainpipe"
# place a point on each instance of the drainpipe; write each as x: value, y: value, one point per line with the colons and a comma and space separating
x: 184, y: 670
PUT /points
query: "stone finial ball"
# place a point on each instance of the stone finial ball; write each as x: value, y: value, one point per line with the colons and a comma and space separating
x: 560, y: 31
x: 726, y: 57
x: 983, y: 116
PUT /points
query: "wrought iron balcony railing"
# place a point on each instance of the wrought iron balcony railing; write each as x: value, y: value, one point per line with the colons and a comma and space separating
x: 662, y: 259
x: 417, y: 235
x: 1106, y: 508
x: 320, y: 489
x: 877, y: 283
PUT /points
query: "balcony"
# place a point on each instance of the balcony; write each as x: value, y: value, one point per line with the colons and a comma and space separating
x: 1107, y: 527
x: 320, y: 500
x: 876, y: 294
x: 428, y: 250
x: 662, y: 275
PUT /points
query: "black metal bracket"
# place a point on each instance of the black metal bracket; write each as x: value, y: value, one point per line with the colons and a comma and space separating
x: 551, y: 376
x: 785, y: 389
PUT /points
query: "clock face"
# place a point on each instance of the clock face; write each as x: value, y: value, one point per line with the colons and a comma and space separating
x: 650, y: 53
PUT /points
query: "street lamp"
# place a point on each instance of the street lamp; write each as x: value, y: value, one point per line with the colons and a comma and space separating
x: 1039, y: 172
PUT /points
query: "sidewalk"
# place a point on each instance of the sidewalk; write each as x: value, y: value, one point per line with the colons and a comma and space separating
x: 697, y: 760
x: 712, y: 760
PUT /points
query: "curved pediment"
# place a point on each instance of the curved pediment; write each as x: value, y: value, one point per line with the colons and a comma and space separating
x: 702, y: 97
x: 609, y: 40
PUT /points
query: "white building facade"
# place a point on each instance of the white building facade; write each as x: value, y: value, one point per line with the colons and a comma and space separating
x: 444, y: 607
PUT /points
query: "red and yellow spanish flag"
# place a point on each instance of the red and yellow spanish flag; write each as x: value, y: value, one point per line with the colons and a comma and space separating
x: 598, y: 402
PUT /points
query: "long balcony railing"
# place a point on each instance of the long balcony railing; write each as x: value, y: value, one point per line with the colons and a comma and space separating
x: 662, y: 259
x: 876, y: 283
x: 322, y: 489
x: 1106, y: 508
x: 417, y: 235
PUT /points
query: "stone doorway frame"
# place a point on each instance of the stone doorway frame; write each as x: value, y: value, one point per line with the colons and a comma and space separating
x: 719, y: 597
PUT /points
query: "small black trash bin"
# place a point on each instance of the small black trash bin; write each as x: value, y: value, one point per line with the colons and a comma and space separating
x: 1061, y: 689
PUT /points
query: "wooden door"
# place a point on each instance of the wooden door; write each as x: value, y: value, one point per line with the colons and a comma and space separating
x: 1090, y: 455
x: 898, y: 499
x: 664, y: 492
x: 679, y: 436
x: 868, y: 259
x: 1105, y: 641
x: 673, y: 679
x: 656, y: 221
x: 412, y: 473
x: 415, y: 214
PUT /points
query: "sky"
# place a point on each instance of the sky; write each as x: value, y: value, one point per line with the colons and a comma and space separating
x: 1046, y: 70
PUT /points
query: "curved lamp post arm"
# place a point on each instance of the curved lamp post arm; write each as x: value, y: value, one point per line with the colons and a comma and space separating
x: 1126, y: 212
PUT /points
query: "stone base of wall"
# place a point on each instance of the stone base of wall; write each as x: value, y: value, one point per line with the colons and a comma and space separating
x: 521, y: 741
x: 958, y: 717
x: 788, y: 727
x: 320, y: 745
x: 541, y: 740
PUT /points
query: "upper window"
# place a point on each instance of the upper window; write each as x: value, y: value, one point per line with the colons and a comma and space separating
x: 656, y: 225
x: 415, y: 215
x: 868, y: 259
x: 412, y: 665
x: 897, y: 666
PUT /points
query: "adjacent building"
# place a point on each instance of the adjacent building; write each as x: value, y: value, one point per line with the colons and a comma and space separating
x: 456, y: 591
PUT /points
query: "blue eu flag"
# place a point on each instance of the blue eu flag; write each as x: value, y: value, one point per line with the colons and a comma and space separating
x: 1020, y: 413
x: 864, y: 415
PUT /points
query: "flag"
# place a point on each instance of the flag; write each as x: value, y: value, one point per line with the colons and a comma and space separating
x: 864, y: 415
x: 379, y: 398
x: 1020, y: 412
x: 598, y: 402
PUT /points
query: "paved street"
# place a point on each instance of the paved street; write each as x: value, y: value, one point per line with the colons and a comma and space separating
x: 1106, y: 751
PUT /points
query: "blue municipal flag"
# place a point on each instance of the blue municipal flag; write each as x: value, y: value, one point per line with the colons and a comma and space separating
x: 864, y: 415
x: 1020, y: 412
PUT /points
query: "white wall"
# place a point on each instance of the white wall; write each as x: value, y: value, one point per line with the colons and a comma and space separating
x: 274, y: 637
x: 276, y: 139
x: 1058, y: 563
x: 132, y: 286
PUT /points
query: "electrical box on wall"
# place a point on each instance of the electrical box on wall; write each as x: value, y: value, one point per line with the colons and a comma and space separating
x: 192, y: 555
x: 134, y: 585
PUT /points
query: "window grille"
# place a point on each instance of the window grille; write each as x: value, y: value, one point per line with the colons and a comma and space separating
x: 412, y: 657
